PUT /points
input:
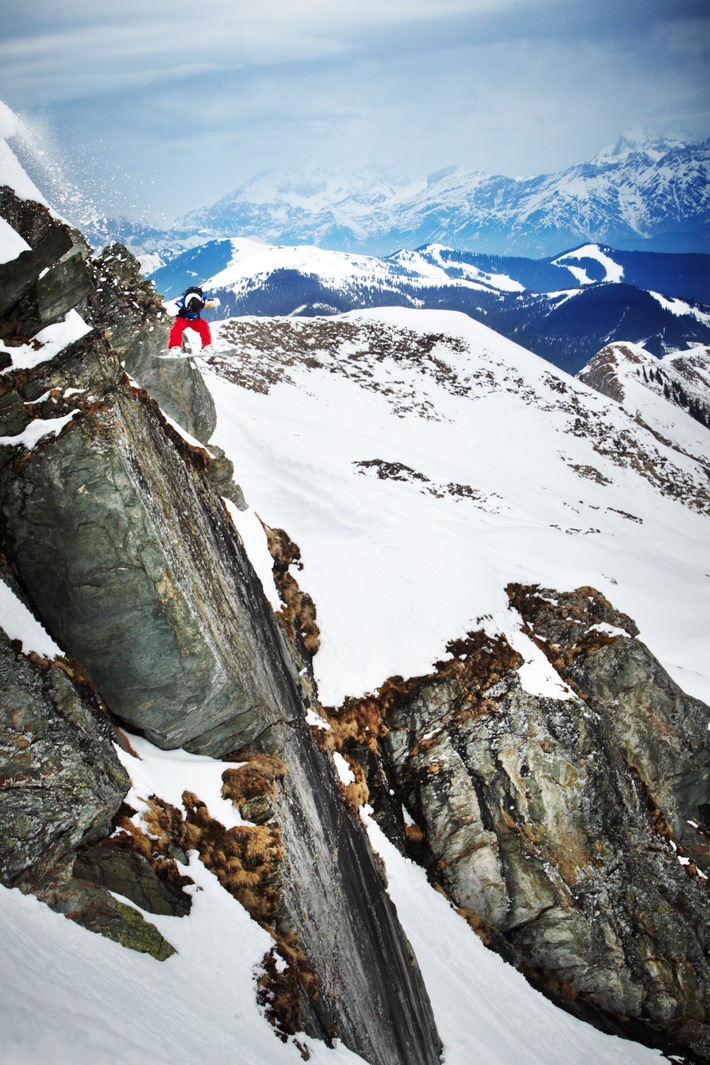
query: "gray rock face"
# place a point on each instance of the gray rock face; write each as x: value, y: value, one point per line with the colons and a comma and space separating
x: 130, y: 874
x: 134, y: 564
x: 570, y: 832
x: 60, y: 787
x: 41, y: 284
x: 13, y: 415
x: 60, y: 780
x: 357, y: 942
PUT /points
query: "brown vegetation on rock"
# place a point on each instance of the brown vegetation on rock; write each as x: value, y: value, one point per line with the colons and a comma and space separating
x: 298, y: 614
x: 163, y: 833
x: 286, y: 976
x: 252, y: 786
x: 564, y: 636
x: 245, y: 859
x: 477, y: 663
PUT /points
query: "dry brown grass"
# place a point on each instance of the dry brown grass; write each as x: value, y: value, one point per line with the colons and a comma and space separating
x: 255, y: 778
x: 281, y: 986
x: 357, y: 793
x: 298, y: 614
x: 474, y: 922
x: 414, y: 835
x: 477, y: 662
x: 164, y: 830
x: 252, y: 787
x: 245, y: 859
x: 357, y: 723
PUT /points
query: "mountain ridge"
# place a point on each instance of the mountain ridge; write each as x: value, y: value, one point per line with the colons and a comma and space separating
x: 565, y: 308
x: 643, y: 192
x: 646, y: 191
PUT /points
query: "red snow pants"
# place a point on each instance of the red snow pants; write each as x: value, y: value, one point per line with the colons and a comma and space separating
x: 181, y: 324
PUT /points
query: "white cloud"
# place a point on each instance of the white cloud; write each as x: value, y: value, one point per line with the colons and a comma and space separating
x: 83, y: 50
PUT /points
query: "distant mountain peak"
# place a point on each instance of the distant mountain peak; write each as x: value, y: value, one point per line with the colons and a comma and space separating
x: 438, y: 175
x: 642, y: 193
x: 639, y: 140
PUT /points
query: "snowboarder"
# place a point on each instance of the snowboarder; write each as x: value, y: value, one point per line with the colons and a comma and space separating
x: 189, y: 308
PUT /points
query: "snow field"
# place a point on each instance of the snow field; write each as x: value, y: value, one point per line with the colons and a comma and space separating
x: 396, y: 572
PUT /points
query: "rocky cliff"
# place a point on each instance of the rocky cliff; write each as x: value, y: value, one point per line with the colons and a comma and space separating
x: 117, y: 533
x: 571, y: 833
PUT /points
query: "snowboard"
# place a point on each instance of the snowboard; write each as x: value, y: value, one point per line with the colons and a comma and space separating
x: 187, y: 355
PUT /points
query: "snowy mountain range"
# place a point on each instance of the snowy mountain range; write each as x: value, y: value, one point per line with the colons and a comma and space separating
x: 645, y: 192
x: 565, y: 309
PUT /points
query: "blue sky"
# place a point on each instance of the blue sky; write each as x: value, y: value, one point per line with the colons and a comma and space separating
x: 163, y: 106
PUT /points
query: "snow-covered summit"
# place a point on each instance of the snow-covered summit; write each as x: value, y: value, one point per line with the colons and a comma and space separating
x: 613, y: 271
x: 647, y: 190
x: 642, y: 142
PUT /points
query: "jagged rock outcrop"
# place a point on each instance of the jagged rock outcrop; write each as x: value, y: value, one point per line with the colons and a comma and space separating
x: 343, y: 880
x: 44, y: 281
x: 61, y: 780
x: 61, y: 785
x: 111, y: 296
x: 114, y: 530
x: 571, y: 833
x: 127, y: 309
x: 138, y: 570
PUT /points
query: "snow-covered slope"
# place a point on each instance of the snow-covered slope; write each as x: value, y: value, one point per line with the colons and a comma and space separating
x: 70, y: 997
x: 644, y: 191
x: 422, y: 462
